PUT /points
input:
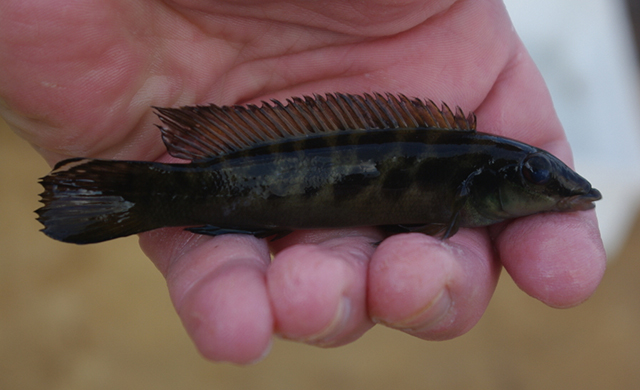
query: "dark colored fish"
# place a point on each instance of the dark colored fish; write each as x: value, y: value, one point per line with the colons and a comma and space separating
x: 323, y: 162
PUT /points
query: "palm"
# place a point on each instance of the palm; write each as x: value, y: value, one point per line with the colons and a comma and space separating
x: 84, y: 85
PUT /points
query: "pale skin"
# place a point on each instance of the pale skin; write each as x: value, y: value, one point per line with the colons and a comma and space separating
x: 78, y: 79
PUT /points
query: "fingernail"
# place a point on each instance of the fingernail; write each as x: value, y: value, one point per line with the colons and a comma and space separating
x: 335, y: 327
x: 428, y: 316
x: 264, y: 354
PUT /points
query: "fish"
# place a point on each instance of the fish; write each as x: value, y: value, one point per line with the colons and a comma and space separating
x: 323, y: 161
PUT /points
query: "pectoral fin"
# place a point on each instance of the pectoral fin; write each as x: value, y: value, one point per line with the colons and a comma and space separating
x: 462, y: 195
x: 453, y: 226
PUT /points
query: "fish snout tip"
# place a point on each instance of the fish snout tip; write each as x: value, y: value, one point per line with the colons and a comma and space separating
x: 594, y: 195
x: 582, y: 201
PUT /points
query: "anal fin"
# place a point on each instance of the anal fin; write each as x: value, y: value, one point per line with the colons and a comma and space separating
x: 431, y: 229
x: 210, y: 230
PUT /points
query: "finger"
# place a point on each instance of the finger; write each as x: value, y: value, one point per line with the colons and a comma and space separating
x: 218, y: 288
x: 318, y: 290
x: 557, y: 258
x: 431, y: 288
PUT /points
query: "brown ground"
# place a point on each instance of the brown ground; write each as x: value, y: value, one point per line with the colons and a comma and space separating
x: 98, y: 317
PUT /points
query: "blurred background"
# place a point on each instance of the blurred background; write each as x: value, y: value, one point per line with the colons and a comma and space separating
x: 99, y: 317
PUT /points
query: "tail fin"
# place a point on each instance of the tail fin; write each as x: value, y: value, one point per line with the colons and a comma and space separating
x: 87, y: 201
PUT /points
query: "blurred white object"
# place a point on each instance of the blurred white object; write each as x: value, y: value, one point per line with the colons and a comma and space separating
x: 584, y: 50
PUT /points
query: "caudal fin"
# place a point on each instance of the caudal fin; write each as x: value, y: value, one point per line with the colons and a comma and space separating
x: 87, y: 201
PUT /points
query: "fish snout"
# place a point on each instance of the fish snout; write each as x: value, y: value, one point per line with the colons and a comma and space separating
x: 579, y: 202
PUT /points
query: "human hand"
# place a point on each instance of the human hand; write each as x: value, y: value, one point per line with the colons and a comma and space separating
x: 78, y: 79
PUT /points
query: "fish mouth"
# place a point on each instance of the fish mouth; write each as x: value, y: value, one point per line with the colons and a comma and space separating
x: 580, y: 202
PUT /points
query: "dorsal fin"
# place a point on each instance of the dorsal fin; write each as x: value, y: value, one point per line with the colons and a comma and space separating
x: 203, y: 132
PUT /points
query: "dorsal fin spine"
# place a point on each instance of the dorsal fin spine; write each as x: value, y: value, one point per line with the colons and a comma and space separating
x: 217, y: 141
x: 313, y: 108
x: 192, y: 144
x: 373, y: 108
x: 324, y: 111
x: 285, y: 125
x: 373, y: 116
x: 362, y: 114
x: 376, y: 118
x: 451, y: 118
x: 406, y: 104
x: 409, y: 119
x: 261, y: 115
x: 396, y: 114
x: 200, y: 124
x: 298, y: 121
x: 435, y: 121
x: 331, y: 100
x: 238, y: 126
x: 231, y: 139
x: 256, y: 130
x: 251, y: 130
x: 245, y: 132
x: 180, y: 119
x: 344, y: 106
x: 180, y: 152
x: 310, y: 127
x: 278, y: 109
x: 258, y: 112
x: 447, y: 116
x: 459, y: 118
x: 388, y: 110
x: 306, y: 115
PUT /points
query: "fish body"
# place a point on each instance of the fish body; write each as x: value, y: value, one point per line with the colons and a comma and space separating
x: 322, y: 162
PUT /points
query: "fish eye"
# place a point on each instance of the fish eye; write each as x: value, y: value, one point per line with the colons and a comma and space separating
x: 536, y: 169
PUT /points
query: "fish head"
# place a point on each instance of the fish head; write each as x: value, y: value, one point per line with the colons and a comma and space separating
x: 541, y: 182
